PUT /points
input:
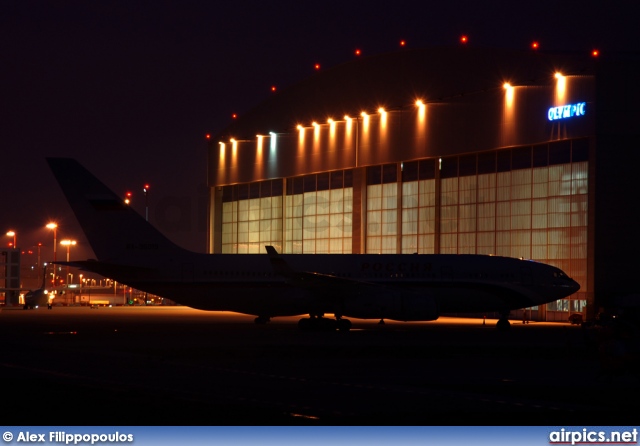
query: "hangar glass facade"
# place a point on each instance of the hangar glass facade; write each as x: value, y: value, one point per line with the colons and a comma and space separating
x: 489, y: 173
x: 319, y: 214
x: 528, y: 202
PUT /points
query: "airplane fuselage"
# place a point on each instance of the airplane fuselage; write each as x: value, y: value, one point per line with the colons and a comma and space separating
x: 356, y: 285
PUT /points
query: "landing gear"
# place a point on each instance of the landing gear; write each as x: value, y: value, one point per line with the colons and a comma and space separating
x: 503, y: 323
x: 261, y: 320
x: 320, y: 323
x: 344, y: 324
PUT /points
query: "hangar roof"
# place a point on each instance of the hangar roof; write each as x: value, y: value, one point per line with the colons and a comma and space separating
x: 395, y: 80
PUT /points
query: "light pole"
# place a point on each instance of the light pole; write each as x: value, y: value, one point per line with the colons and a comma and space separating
x: 68, y: 244
x: 145, y: 189
x: 55, y: 229
x: 13, y: 234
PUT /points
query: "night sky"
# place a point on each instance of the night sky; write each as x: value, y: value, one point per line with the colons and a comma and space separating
x: 131, y: 88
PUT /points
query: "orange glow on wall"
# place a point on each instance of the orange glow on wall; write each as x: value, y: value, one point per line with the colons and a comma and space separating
x: 259, y: 145
x: 383, y: 119
x: 222, y: 150
x: 348, y: 127
x: 422, y: 112
x: 561, y: 88
x: 332, y: 129
x: 508, y: 94
x: 365, y: 119
x: 234, y: 150
x: 508, y: 115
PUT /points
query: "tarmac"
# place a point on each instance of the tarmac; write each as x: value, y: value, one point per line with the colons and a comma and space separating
x: 179, y: 366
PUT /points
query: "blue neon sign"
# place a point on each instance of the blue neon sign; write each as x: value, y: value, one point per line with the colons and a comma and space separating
x: 567, y: 111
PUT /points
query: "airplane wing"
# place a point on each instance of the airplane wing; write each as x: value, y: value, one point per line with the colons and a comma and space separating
x: 328, y: 286
x: 331, y: 288
x: 355, y: 298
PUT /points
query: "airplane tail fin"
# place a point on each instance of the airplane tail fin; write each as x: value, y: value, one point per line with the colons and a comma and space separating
x: 114, y: 230
x: 44, y: 277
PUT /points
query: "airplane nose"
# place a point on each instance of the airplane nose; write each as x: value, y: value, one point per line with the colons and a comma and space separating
x: 574, y: 286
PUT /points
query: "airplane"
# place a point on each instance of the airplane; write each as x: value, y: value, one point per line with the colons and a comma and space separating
x: 38, y: 297
x: 401, y: 287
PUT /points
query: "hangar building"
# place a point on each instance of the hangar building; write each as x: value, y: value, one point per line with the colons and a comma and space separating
x: 444, y: 150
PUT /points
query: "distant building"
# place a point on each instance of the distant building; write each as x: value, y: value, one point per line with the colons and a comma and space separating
x: 444, y: 150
